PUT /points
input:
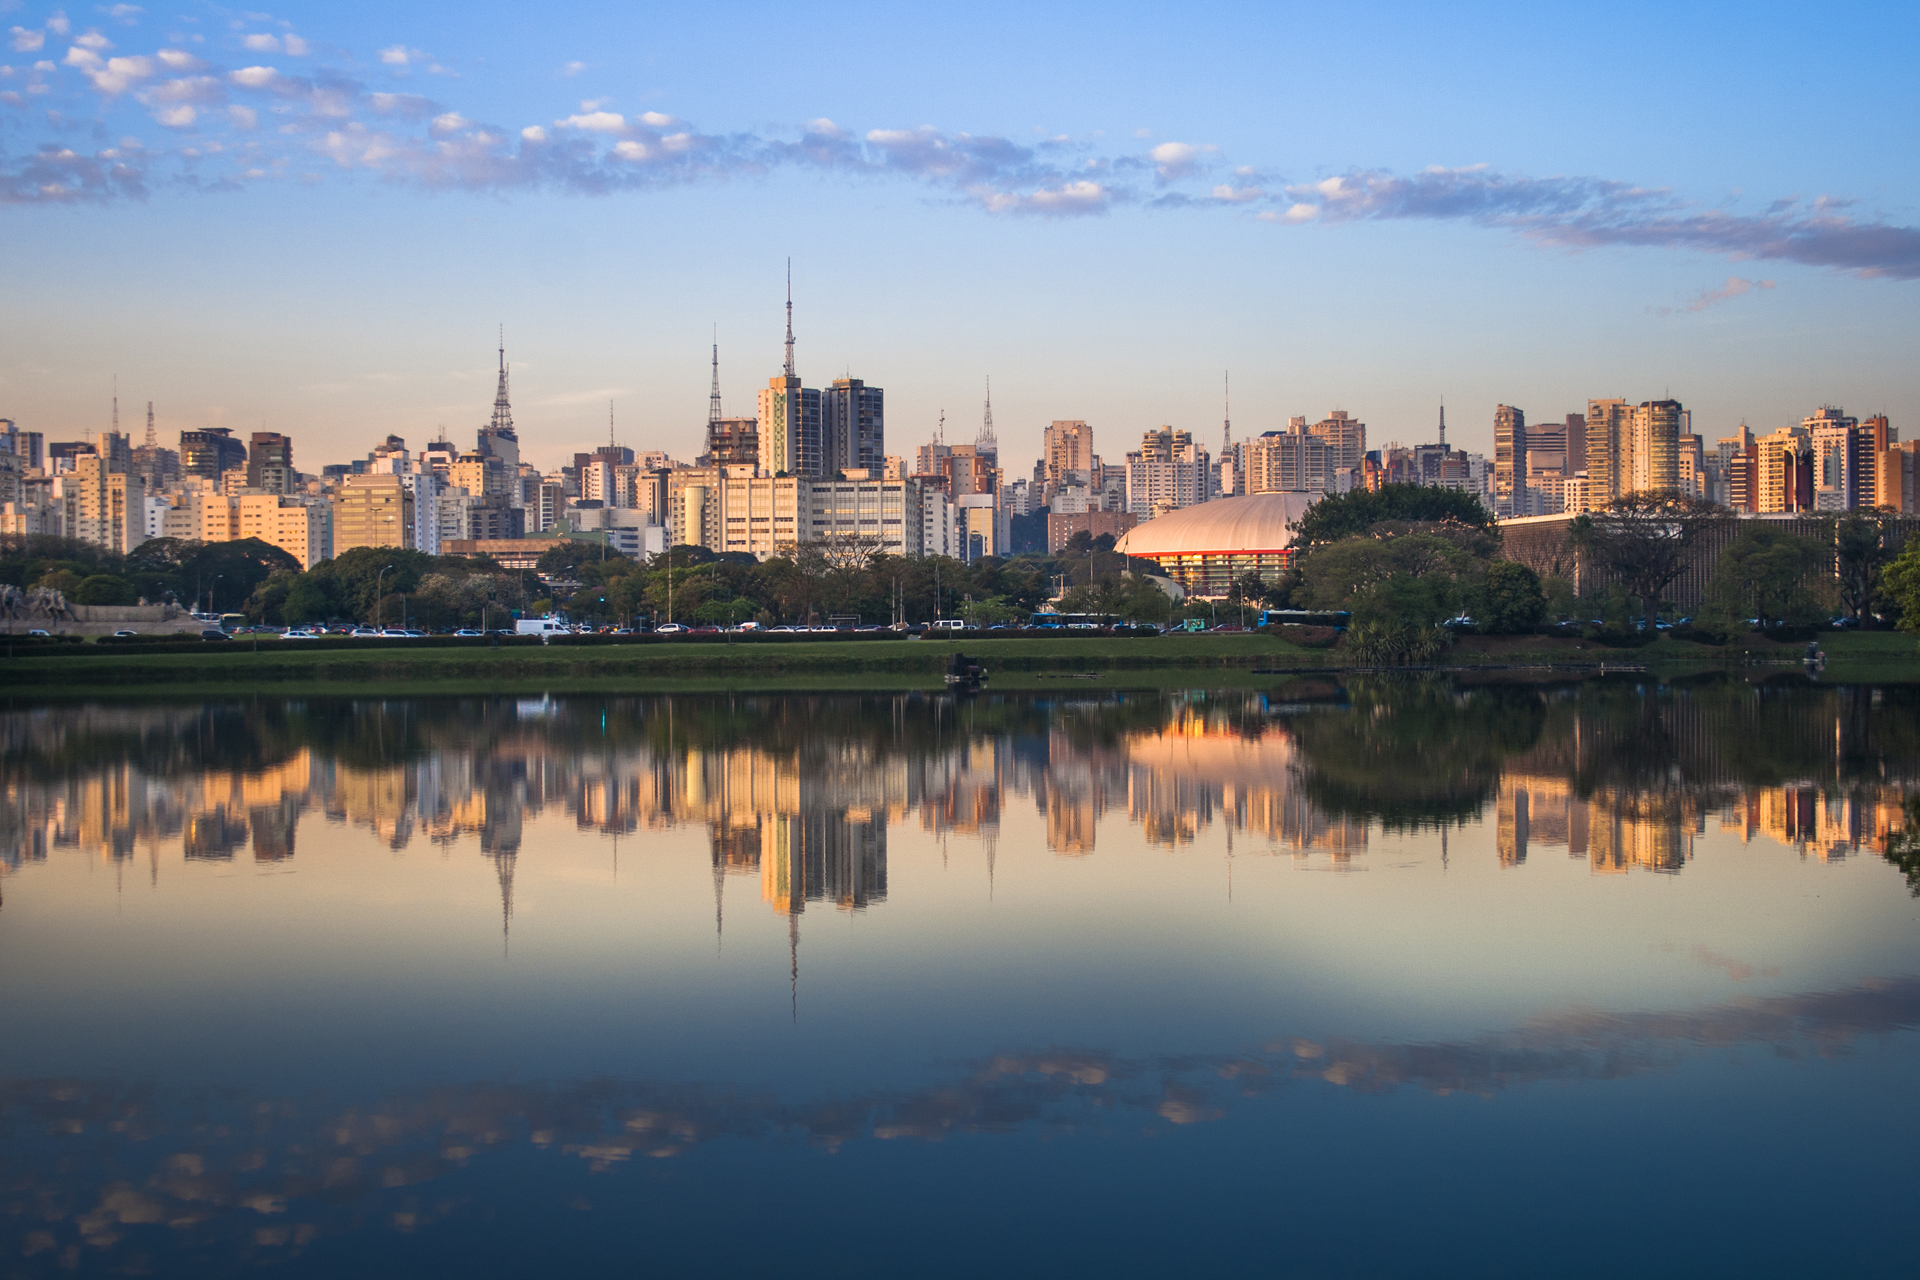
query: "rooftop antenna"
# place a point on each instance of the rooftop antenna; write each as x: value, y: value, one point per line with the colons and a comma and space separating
x: 713, y: 401
x: 1443, y: 424
x: 1226, y: 433
x: 152, y: 439
x: 986, y: 443
x: 790, y: 372
x: 502, y: 411
x: 940, y: 429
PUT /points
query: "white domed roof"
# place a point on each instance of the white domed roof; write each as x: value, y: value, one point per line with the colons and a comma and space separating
x: 1254, y: 522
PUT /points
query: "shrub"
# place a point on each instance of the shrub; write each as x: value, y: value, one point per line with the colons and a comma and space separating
x: 1305, y: 637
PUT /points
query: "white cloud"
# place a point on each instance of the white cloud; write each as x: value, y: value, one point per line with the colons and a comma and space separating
x: 200, y: 90
x: 1066, y: 199
x: 630, y: 150
x: 654, y: 120
x: 178, y: 60
x: 825, y: 128
x: 28, y: 41
x: 243, y: 117
x: 1177, y: 159
x: 127, y: 13
x: 113, y: 75
x: 295, y: 45
x: 253, y: 77
x: 573, y: 68
x: 534, y: 133
x: 448, y: 122
x: 57, y: 24
x: 397, y: 55
x: 595, y: 122
x: 1237, y: 195
x: 181, y: 117
x: 262, y: 43
x: 95, y: 41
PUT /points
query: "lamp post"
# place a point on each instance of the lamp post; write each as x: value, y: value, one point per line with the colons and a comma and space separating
x: 376, y: 596
x: 210, y: 587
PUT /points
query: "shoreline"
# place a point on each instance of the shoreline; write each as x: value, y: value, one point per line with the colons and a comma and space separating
x: 1239, y: 661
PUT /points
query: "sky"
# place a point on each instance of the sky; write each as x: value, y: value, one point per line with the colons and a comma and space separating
x: 316, y: 220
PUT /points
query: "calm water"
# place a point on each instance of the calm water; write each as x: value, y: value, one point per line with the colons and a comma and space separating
x: 1382, y: 979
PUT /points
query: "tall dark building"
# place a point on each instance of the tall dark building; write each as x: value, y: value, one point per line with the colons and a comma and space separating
x: 270, y: 464
x: 209, y: 451
x: 852, y: 426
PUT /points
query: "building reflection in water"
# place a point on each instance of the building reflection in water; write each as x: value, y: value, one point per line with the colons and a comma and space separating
x: 798, y: 793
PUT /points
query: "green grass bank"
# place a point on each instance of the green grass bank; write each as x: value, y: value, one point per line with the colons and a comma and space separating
x: 92, y: 671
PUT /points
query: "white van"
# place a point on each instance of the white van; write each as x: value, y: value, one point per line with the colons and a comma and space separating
x: 542, y: 627
x: 949, y: 624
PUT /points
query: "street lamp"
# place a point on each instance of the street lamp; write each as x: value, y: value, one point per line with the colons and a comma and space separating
x: 376, y: 596
x: 210, y: 587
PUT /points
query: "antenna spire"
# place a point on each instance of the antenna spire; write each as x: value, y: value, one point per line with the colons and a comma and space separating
x: 502, y: 411
x: 1226, y: 434
x: 940, y: 429
x: 713, y: 402
x: 790, y: 317
x: 1443, y: 426
x: 152, y: 439
x: 986, y: 443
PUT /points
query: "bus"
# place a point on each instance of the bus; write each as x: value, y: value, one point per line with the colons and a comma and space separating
x: 232, y: 622
x: 1072, y: 621
x: 1335, y: 618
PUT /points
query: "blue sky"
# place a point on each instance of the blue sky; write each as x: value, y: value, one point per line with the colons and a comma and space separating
x: 313, y: 219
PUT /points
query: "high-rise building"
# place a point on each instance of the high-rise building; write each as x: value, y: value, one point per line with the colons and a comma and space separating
x: 1509, y: 461
x: 1067, y: 451
x: 372, y: 511
x: 1840, y: 456
x: 1783, y: 472
x: 1608, y: 426
x: 733, y: 442
x: 852, y: 427
x: 209, y: 451
x: 789, y: 417
x: 1653, y: 447
x: 1346, y: 439
x: 1894, y: 480
x: 1168, y: 472
x: 105, y: 508
x: 270, y: 463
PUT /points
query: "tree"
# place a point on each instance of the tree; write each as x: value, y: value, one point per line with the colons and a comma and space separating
x: 104, y: 588
x: 1511, y: 601
x: 1646, y: 539
x: 1766, y: 573
x: 1901, y: 581
x: 1349, y: 514
x: 568, y: 555
x: 1861, y: 553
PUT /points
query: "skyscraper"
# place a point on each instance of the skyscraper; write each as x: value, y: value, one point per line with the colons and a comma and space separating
x: 210, y: 451
x: 852, y: 426
x: 1067, y: 448
x: 270, y: 463
x: 1608, y: 428
x: 497, y: 438
x: 1509, y: 461
x: 789, y: 417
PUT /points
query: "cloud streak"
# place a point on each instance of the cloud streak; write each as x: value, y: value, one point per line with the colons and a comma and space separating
x: 204, y: 118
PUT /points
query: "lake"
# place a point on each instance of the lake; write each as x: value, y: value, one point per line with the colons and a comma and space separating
x: 1350, y: 977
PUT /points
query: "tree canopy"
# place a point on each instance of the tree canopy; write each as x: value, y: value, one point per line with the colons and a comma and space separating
x: 1346, y: 515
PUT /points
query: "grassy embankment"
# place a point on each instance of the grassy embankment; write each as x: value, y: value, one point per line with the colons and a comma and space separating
x: 284, y: 668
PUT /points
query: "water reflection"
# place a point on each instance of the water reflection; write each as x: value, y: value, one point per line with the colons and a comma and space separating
x: 797, y: 794
x: 122, y: 1174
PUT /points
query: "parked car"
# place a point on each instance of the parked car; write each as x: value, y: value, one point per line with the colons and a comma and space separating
x: 304, y: 635
x: 365, y: 633
x: 123, y: 634
x: 669, y: 629
x: 469, y: 632
x: 44, y: 635
x: 214, y: 633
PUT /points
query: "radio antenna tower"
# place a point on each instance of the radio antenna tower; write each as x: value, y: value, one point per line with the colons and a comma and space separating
x: 713, y: 401
x: 985, y: 442
x: 790, y: 317
x: 610, y: 443
x: 1443, y: 425
x: 502, y: 411
x: 940, y: 429
x: 152, y: 439
x: 1226, y: 433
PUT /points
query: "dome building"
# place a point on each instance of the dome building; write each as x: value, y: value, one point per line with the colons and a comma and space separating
x: 1205, y: 547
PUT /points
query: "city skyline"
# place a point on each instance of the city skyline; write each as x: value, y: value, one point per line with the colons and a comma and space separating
x: 1542, y: 263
